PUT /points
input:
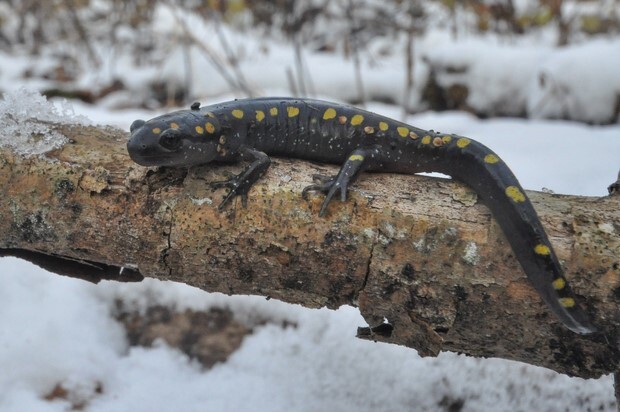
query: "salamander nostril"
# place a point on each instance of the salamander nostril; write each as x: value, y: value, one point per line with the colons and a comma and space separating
x: 143, y: 146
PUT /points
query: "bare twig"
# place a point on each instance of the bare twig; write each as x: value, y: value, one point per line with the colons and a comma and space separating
x: 213, y: 58
x: 81, y: 32
x: 409, y: 67
x: 355, y: 53
x: 233, y: 60
x: 296, y: 19
x: 187, y: 63
x: 299, y: 66
x: 291, y: 81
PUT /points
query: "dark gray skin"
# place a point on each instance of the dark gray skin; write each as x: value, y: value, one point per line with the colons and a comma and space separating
x: 614, y: 188
x: 360, y: 140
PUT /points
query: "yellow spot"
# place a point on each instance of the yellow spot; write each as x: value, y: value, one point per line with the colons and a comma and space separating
x: 260, y: 115
x: 515, y: 194
x: 567, y: 302
x: 174, y: 125
x: 273, y: 111
x: 369, y: 129
x: 491, y: 159
x: 292, y: 111
x: 426, y: 140
x: 357, y: 120
x: 463, y: 142
x: 447, y: 139
x: 329, y: 114
x: 156, y: 130
x: 210, y: 114
x: 342, y: 119
x: 542, y: 250
x: 558, y: 284
x: 200, y: 130
x: 413, y: 135
x: 238, y: 114
x: 437, y: 142
x: 354, y: 158
x: 209, y: 127
x: 383, y: 126
x: 402, y: 131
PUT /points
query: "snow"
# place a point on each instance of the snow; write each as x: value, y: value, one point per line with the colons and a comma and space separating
x: 493, y: 74
x: 18, y: 110
x: 579, y: 82
x: 58, y: 331
x: 52, y: 332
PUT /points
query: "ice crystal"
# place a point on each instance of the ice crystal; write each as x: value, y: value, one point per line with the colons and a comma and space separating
x: 26, y: 119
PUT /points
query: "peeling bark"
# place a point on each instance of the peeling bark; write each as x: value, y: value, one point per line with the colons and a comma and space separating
x: 421, y: 257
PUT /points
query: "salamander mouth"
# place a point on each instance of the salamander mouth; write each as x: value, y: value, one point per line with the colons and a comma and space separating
x: 154, y: 160
x: 148, y: 156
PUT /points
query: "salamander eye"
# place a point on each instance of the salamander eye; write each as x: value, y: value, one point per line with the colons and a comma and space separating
x: 170, y: 139
x: 136, y: 125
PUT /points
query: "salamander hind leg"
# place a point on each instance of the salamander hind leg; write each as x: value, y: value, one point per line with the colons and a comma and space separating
x: 357, y: 161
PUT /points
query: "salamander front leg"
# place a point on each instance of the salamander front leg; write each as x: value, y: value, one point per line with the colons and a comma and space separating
x: 359, y: 160
x: 241, y: 184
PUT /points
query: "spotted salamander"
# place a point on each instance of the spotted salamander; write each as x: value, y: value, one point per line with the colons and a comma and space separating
x: 359, y: 140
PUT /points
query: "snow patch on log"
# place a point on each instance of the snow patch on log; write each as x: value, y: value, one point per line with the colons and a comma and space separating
x: 27, y: 119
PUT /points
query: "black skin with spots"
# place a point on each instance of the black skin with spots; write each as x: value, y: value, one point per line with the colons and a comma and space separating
x: 327, y: 132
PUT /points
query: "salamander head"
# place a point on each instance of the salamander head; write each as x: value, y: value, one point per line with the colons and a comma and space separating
x: 183, y: 138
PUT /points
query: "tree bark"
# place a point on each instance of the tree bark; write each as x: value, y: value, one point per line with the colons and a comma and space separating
x: 423, y: 260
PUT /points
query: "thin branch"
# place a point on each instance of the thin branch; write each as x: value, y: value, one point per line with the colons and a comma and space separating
x: 290, y: 77
x: 213, y: 58
x: 233, y: 60
x: 409, y: 69
x: 299, y: 66
x: 77, y: 24
x: 353, y: 40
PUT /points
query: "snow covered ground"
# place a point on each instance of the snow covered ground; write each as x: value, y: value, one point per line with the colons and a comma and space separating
x: 61, y: 332
x: 58, y: 331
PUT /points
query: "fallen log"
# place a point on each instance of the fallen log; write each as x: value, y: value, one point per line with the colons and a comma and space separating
x: 422, y: 259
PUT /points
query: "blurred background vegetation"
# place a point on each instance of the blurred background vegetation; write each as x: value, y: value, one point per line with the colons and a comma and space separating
x: 40, y: 23
x: 82, y: 36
